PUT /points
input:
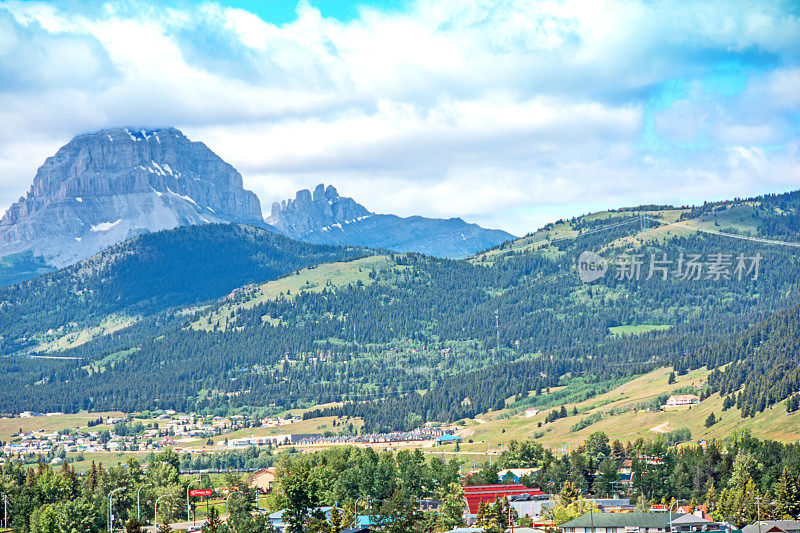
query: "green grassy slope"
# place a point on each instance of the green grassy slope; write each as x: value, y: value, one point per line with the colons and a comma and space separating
x: 624, y: 414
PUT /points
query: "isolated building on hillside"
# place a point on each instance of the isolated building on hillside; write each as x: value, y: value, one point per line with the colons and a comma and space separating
x: 683, y: 399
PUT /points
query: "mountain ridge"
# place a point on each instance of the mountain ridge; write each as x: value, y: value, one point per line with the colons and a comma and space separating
x: 150, y: 273
x: 510, y: 321
x: 324, y: 217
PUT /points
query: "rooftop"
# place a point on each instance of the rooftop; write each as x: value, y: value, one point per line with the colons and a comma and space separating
x: 647, y: 520
x: 766, y: 526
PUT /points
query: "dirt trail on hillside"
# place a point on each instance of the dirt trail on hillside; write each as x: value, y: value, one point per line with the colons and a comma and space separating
x: 661, y: 428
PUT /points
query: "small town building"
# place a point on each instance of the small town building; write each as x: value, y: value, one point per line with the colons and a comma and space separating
x: 447, y: 439
x: 513, y: 475
x: 263, y: 480
x: 773, y: 526
x: 637, y: 523
x: 475, y: 494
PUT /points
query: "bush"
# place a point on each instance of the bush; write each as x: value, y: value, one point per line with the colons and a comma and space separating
x: 678, y: 436
x: 586, y: 422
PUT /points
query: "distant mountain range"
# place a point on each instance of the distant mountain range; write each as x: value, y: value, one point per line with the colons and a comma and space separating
x: 103, y: 188
x: 324, y: 217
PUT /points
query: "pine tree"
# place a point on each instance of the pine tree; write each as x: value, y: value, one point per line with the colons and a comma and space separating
x: 711, y: 500
x: 787, y: 496
x: 133, y: 526
x: 213, y: 522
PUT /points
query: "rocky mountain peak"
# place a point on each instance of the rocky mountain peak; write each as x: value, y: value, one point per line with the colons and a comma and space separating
x: 104, y: 187
x: 324, y: 217
x: 310, y: 212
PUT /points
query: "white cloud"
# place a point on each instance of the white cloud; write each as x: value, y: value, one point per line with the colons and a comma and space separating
x: 507, y: 114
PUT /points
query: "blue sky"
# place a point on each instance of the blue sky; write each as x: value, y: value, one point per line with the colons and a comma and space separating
x: 509, y: 113
x: 284, y: 11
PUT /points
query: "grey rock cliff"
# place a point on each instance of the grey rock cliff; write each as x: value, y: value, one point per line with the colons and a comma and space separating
x: 324, y: 217
x: 103, y: 188
x: 309, y: 212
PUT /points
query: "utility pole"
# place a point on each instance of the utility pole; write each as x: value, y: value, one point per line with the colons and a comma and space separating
x: 758, y: 511
x: 497, y: 326
x: 5, y: 511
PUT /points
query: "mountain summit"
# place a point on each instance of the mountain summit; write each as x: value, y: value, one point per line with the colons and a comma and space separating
x: 309, y: 213
x: 324, y: 217
x: 105, y: 187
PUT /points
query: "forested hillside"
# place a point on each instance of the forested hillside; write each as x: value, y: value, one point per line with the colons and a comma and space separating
x: 757, y: 368
x: 149, y: 274
x: 388, y: 328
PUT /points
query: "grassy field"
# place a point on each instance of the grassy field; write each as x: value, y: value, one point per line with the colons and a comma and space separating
x: 10, y: 426
x: 58, y: 340
x: 628, y: 425
x: 637, y: 330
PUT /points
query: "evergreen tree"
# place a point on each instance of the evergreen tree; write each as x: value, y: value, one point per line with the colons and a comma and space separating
x: 133, y: 526
x: 787, y: 496
x: 213, y: 522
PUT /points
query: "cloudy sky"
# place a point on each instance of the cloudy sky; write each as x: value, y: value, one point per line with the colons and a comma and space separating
x: 506, y: 113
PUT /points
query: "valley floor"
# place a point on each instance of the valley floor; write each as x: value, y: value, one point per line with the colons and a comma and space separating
x: 624, y: 412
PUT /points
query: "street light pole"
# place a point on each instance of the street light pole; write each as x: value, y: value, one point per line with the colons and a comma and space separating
x: 355, y: 509
x: 138, y: 507
x: 155, y: 511
x: 670, y: 512
x: 110, y: 513
x: 233, y: 526
x: 226, y: 502
x: 188, y: 506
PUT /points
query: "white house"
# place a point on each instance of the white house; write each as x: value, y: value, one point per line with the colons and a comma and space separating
x: 683, y: 399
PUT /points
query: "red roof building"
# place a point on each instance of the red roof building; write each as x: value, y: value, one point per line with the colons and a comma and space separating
x: 475, y: 494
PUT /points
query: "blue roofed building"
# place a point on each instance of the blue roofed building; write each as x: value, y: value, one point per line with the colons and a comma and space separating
x: 447, y: 439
